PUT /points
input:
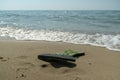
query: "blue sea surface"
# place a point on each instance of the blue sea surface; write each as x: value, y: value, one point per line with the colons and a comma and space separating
x: 95, y: 27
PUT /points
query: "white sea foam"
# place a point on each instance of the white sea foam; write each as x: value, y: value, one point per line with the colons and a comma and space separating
x: 111, y: 42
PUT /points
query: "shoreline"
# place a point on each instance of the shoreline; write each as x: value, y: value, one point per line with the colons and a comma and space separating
x: 18, y: 60
x: 89, y: 44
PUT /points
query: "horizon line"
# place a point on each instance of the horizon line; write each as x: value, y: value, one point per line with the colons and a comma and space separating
x: 54, y: 9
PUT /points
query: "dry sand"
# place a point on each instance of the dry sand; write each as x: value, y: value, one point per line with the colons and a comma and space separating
x: 18, y: 61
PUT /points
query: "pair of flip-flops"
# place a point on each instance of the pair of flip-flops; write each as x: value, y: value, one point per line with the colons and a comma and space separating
x: 61, y: 57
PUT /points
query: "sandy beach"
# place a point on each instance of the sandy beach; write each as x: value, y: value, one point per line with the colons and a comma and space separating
x: 18, y: 61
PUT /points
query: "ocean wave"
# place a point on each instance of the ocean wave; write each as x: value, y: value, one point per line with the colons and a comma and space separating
x: 109, y: 41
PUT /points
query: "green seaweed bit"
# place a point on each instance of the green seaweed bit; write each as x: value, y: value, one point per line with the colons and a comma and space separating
x: 70, y: 52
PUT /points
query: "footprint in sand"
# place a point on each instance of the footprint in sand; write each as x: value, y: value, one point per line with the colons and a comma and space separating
x: 77, y: 78
x: 3, y: 59
x: 21, y: 72
x: 24, y: 62
x: 22, y: 57
x: 23, y: 67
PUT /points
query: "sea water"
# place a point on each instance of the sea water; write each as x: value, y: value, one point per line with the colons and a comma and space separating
x: 94, y: 27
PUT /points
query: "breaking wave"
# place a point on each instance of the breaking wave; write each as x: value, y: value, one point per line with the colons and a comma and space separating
x: 109, y: 41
